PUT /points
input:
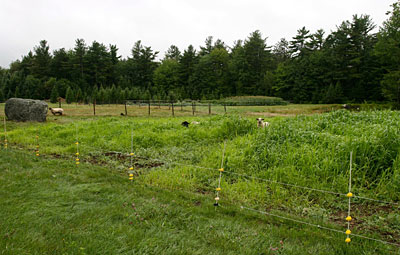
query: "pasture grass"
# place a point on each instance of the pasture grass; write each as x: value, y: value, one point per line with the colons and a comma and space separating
x: 50, y: 206
x: 84, y: 110
x: 252, y: 100
x: 311, y: 151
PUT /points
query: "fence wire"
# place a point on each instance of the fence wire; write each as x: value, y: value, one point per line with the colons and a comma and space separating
x: 271, y: 181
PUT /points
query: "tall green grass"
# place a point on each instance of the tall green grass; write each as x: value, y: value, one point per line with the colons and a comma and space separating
x: 50, y: 206
x: 308, y: 150
x: 311, y: 151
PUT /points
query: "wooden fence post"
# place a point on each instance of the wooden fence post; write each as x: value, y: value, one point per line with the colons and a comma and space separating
x: 209, y: 108
x: 94, y: 107
x: 149, y: 107
x: 172, y: 104
x: 126, y: 110
x: 225, y: 107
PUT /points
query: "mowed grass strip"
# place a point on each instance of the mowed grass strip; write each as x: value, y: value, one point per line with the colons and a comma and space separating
x: 50, y: 206
x: 102, y: 110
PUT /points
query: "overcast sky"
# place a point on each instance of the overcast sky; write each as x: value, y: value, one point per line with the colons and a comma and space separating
x: 23, y: 23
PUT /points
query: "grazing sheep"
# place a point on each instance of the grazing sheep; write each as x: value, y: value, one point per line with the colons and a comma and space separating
x: 195, y: 123
x: 185, y: 124
x: 57, y: 111
x: 261, y: 123
x: 351, y: 107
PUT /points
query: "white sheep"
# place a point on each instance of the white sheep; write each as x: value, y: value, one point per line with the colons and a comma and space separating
x: 57, y: 111
x: 261, y: 123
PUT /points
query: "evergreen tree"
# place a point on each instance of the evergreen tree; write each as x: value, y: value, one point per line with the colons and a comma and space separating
x: 299, y: 44
x: 281, y: 51
x: 79, y: 59
x: 79, y: 95
x: 62, y: 86
x: 60, y: 65
x: 17, y: 94
x: 94, y: 93
x: 69, y: 97
x: 333, y: 94
x: 211, y: 75
x: 2, y: 97
x: 101, y: 96
x: 391, y: 86
x: 41, y: 61
x: 33, y: 88
x: 173, y: 53
x: 141, y: 65
x: 187, y: 64
x: 387, y: 49
x: 54, y: 95
x: 255, y: 59
x: 99, y: 64
x: 113, y: 96
x: 119, y: 95
x: 10, y: 94
x: 166, y: 76
x: 208, y: 46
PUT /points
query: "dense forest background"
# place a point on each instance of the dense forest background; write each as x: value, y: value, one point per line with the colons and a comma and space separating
x: 351, y: 64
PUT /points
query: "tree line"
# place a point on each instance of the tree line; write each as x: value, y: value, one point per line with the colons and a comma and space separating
x: 350, y: 64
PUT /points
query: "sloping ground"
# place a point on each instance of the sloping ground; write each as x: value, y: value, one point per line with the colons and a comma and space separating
x: 50, y: 206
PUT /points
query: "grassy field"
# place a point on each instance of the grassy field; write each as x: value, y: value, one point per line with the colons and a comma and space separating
x: 90, y: 206
x: 49, y: 206
x: 78, y: 110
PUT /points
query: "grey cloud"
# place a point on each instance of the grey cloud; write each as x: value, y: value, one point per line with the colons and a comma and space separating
x: 162, y: 23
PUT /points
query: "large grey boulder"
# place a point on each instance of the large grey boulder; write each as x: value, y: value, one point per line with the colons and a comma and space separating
x: 26, y: 109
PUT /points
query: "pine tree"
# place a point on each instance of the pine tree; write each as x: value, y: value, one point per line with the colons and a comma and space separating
x: 41, y: 61
x: 119, y: 96
x: 17, y: 94
x: 94, y: 93
x: 9, y: 94
x: 101, y: 95
x: 113, y: 96
x: 2, y: 95
x: 69, y: 97
x: 79, y: 95
x: 54, y: 95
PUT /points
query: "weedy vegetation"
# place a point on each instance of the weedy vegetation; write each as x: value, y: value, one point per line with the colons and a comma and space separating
x: 52, y: 206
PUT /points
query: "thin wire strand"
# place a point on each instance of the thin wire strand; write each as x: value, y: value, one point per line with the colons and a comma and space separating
x: 5, y: 134
x: 278, y: 216
x: 273, y: 181
x: 77, y: 145
x: 220, y: 172
x: 318, y: 226
x: 131, y: 147
x: 348, y: 212
x: 287, y: 184
x: 37, y: 142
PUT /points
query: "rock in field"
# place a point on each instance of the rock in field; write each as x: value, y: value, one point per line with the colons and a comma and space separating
x: 26, y: 109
